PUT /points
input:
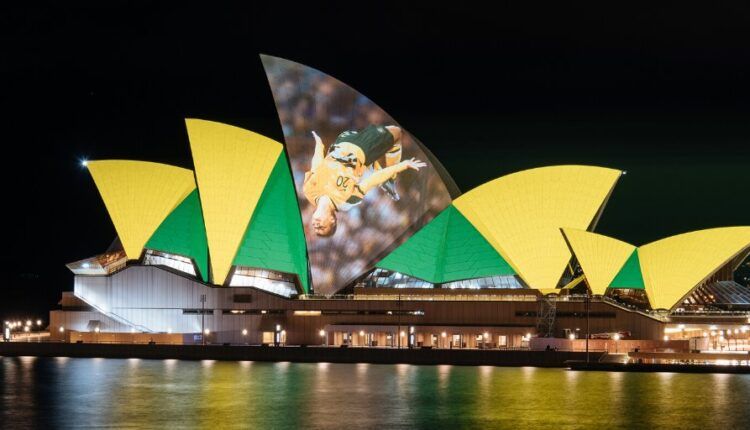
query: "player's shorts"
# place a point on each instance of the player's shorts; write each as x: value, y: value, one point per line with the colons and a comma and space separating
x: 375, y: 141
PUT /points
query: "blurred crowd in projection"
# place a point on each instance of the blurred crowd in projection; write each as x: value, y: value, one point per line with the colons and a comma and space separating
x: 308, y: 100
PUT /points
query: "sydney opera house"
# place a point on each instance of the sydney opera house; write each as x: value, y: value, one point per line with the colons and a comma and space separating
x: 352, y: 233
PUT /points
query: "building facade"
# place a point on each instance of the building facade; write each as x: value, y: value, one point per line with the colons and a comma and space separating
x: 351, y: 233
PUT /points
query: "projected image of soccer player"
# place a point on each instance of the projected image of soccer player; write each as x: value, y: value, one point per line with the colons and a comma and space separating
x: 336, y: 181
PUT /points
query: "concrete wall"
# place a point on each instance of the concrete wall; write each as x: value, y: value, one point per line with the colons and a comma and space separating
x: 609, y: 345
x: 154, y: 299
x: 295, y: 354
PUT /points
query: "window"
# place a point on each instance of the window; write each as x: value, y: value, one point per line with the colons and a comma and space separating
x: 283, y: 284
x: 173, y: 261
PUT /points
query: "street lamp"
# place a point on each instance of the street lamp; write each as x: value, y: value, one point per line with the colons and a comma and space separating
x: 322, y: 334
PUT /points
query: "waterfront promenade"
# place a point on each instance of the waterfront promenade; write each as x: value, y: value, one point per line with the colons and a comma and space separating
x: 309, y: 354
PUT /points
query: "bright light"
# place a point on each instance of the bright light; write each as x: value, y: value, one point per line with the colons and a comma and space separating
x: 283, y: 332
x: 38, y: 322
x: 244, y: 332
x: 528, y: 335
x: 486, y: 335
x: 28, y: 322
x: 278, y: 327
x: 62, y: 329
x: 666, y: 338
x: 26, y: 329
x: 681, y: 326
x: 705, y: 334
x: 85, y: 265
x: 169, y: 330
x: 743, y: 329
x: 571, y: 336
x: 712, y: 327
x: 616, y: 337
x: 713, y: 333
x: 132, y: 330
x: 96, y: 329
x: 443, y: 334
x: 361, y: 332
x: 206, y: 332
x: 403, y: 333
x: 736, y: 331
x: 84, y: 162
x: 322, y: 333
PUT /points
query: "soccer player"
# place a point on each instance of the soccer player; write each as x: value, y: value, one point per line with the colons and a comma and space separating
x: 334, y: 182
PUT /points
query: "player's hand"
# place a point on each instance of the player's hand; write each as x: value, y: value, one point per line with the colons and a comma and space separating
x: 414, y: 164
x: 318, y: 140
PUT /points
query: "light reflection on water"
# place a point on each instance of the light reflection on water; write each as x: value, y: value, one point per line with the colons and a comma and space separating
x: 74, y: 393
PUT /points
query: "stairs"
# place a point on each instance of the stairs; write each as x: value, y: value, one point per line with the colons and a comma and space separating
x: 545, y: 324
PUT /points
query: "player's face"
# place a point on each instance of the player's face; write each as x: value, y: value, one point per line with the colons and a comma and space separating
x: 323, y: 224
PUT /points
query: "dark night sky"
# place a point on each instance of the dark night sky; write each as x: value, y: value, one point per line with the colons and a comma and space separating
x: 662, y: 93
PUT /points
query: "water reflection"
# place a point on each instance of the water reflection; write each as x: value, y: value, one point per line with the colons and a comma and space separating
x: 72, y: 393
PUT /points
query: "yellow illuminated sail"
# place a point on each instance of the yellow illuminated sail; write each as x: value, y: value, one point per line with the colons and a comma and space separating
x: 600, y: 257
x: 672, y: 267
x: 232, y: 166
x: 139, y: 195
x: 521, y: 215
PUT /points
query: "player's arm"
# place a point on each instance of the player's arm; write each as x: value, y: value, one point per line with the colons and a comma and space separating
x: 395, y: 131
x: 382, y: 175
x: 319, y: 151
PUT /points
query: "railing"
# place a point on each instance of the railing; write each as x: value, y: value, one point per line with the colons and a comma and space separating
x: 581, y: 298
x: 427, y: 298
x: 117, y: 317
x: 712, y: 312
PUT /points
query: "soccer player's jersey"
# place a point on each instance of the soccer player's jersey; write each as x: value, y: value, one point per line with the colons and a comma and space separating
x: 337, y: 177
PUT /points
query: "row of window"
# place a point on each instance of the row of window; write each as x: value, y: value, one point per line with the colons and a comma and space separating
x: 564, y: 314
x: 390, y: 279
x: 174, y: 261
x: 235, y: 311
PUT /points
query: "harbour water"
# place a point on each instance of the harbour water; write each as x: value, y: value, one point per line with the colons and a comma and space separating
x: 132, y: 393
